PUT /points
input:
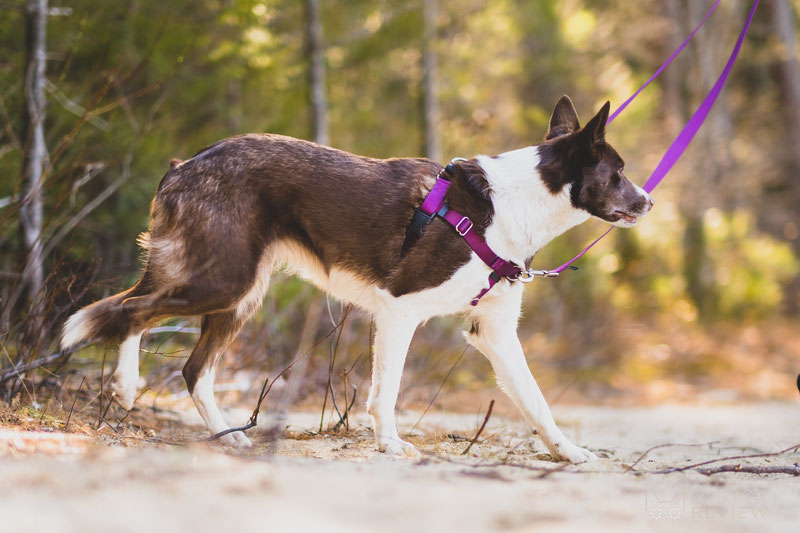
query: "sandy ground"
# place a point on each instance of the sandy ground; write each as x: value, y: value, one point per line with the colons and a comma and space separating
x: 66, y: 482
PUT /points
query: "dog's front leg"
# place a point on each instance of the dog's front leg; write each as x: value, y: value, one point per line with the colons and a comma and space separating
x: 393, y: 332
x: 494, y: 333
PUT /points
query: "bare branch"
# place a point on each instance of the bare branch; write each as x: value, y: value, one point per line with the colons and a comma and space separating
x: 478, y: 434
x: 18, y: 370
x: 793, y: 470
x: 790, y: 449
x: 637, y: 461
x: 75, y: 108
x: 440, y: 388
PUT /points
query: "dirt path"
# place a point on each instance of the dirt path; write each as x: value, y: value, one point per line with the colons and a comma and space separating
x: 338, y: 483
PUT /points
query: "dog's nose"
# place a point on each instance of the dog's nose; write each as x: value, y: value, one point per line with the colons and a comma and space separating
x: 650, y: 200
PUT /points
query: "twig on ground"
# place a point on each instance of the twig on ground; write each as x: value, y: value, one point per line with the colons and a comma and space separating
x: 480, y: 430
x: 440, y: 388
x: 103, y: 420
x: 74, y: 399
x: 495, y: 464
x: 100, y: 413
x: 253, y: 417
x: 331, y: 363
x: 668, y: 445
x: 268, y: 386
x: 347, y: 410
x: 791, y: 449
x: 751, y: 469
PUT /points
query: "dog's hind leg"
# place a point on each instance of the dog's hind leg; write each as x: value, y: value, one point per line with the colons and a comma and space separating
x: 126, y: 376
x: 494, y: 333
x: 393, y: 332
x: 217, y: 331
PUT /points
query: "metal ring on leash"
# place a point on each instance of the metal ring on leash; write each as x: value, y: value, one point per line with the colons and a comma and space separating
x: 526, y: 276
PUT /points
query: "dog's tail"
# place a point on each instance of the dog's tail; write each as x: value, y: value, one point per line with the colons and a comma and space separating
x: 105, y: 320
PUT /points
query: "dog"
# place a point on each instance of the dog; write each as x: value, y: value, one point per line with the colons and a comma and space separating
x: 223, y: 221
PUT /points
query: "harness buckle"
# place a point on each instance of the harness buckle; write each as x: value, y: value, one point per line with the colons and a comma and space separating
x: 419, y: 222
x: 465, y: 231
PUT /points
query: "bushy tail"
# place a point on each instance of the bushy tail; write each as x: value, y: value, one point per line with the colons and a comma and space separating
x: 105, y: 320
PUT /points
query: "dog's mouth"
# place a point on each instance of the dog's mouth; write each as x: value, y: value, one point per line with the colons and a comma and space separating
x: 628, y: 218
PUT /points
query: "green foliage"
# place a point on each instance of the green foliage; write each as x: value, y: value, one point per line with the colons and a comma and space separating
x: 163, y: 79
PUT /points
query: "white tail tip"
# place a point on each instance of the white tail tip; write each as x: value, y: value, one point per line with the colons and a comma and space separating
x: 76, y: 329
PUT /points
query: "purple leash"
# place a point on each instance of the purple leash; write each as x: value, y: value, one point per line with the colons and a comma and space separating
x: 664, y: 65
x: 681, y: 142
x: 435, y: 205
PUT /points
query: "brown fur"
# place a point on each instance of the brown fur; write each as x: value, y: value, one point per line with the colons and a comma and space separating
x: 214, y: 216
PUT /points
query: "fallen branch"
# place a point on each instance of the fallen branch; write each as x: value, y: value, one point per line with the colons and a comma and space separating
x: 792, y: 449
x: 253, y: 417
x: 646, y: 452
x: 268, y: 386
x: 751, y: 469
x: 331, y: 363
x: 345, y: 419
x: 18, y: 370
x: 74, y: 399
x: 541, y: 469
x: 480, y: 430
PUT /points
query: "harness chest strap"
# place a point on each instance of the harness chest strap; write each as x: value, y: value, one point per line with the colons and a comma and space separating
x: 434, y: 205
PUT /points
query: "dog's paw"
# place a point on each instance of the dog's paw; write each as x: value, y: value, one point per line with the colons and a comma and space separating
x: 399, y: 448
x: 125, y: 393
x: 566, y: 451
x: 237, y: 439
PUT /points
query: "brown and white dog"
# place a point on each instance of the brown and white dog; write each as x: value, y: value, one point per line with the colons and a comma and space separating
x: 223, y: 221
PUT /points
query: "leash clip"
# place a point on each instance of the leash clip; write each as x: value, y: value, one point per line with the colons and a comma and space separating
x: 526, y: 276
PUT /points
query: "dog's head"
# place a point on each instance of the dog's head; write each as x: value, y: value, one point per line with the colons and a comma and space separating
x: 581, y: 158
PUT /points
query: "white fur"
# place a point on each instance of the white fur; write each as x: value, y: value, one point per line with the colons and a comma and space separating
x: 496, y: 338
x: 203, y: 396
x: 252, y: 300
x: 76, y: 329
x: 168, y: 253
x: 527, y: 215
x: 126, y: 376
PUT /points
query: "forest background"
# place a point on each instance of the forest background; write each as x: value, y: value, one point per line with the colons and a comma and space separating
x: 699, y: 301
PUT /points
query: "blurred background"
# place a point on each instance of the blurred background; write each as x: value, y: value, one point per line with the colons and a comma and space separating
x: 699, y: 301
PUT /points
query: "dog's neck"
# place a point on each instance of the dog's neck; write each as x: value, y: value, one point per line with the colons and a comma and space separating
x: 527, y: 215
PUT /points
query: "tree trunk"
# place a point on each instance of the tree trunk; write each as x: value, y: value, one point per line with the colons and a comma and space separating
x: 316, y: 49
x: 429, y: 74
x: 789, y: 74
x: 712, y: 159
x: 783, y: 26
x: 35, y: 155
x: 672, y: 80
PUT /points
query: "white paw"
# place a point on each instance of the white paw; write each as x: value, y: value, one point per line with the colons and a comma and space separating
x: 398, y: 447
x: 237, y: 439
x: 566, y: 451
x: 125, y: 393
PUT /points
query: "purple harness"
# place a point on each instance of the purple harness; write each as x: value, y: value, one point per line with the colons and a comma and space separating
x: 434, y: 205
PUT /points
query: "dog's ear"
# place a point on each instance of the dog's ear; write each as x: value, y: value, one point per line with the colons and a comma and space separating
x: 564, y: 119
x: 595, y: 130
